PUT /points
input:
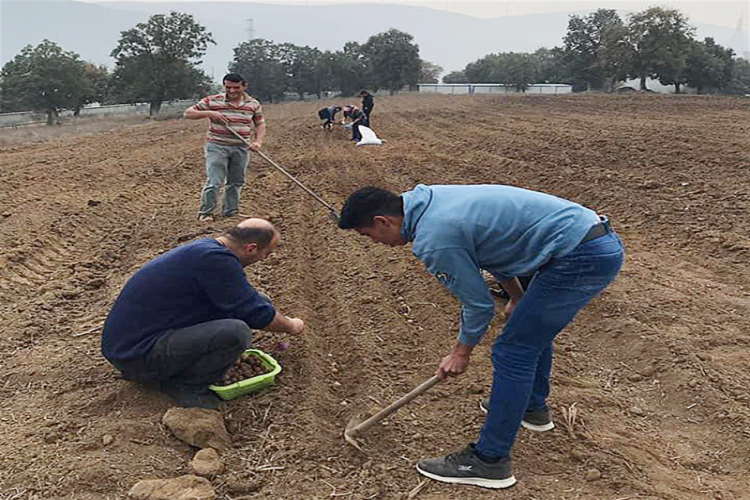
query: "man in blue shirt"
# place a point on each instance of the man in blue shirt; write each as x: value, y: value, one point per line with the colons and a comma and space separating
x: 186, y: 316
x: 456, y: 231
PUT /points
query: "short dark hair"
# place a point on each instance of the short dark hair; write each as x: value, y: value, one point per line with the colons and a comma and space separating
x: 367, y: 202
x: 364, y: 92
x: 262, y: 236
x: 234, y: 78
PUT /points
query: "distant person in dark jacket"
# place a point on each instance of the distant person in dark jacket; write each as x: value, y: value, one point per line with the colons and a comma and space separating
x: 367, y: 105
x: 329, y: 116
x: 185, y: 317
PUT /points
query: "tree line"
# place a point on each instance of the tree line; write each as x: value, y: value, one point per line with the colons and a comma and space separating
x: 600, y: 49
x: 157, y: 61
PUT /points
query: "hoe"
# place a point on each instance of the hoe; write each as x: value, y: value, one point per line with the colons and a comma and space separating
x: 357, y: 426
x: 332, y: 211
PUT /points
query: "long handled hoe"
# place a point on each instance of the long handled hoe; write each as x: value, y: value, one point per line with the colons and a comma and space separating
x: 357, y: 426
x: 333, y: 213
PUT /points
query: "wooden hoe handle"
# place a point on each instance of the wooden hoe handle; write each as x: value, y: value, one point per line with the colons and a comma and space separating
x: 424, y: 387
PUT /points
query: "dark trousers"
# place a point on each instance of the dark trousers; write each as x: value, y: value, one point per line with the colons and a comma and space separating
x: 356, y: 136
x: 195, y: 356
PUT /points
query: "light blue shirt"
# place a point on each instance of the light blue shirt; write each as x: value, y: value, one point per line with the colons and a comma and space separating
x: 509, y: 231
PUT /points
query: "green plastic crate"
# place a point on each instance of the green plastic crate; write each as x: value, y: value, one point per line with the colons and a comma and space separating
x: 250, y: 385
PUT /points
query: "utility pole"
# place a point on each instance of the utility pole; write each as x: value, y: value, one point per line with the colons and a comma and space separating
x: 250, y: 30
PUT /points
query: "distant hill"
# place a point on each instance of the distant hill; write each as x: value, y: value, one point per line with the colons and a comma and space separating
x: 448, y: 39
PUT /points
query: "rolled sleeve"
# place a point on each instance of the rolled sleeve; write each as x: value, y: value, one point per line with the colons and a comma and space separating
x: 204, y: 104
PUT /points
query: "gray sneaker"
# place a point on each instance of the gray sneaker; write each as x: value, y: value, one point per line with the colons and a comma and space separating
x: 537, y: 420
x: 465, y: 467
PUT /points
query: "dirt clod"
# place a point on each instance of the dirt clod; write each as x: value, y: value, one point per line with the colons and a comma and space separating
x: 206, y: 463
x: 198, y: 427
x: 181, y: 488
x: 592, y: 475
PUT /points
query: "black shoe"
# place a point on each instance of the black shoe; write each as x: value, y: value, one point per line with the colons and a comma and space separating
x: 189, y: 397
x: 465, y: 467
x: 536, y: 420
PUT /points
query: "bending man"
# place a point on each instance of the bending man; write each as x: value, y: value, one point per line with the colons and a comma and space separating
x: 458, y: 230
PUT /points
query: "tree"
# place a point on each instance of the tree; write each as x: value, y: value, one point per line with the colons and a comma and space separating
x: 549, y: 65
x: 740, y: 82
x: 157, y: 61
x: 300, y: 67
x: 324, y: 73
x: 660, y: 39
x: 394, y: 59
x: 429, y: 72
x: 259, y: 62
x: 95, y: 84
x: 351, y: 70
x: 708, y: 66
x: 517, y: 69
x: 509, y: 68
x: 44, y: 78
x: 596, y: 49
x: 482, y: 70
x: 455, y: 77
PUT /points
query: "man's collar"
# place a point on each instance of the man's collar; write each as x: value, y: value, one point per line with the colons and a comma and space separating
x: 244, y: 98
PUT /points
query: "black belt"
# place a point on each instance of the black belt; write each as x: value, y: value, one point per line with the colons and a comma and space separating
x: 598, y: 229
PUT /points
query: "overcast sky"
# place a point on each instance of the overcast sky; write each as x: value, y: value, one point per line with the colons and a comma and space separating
x: 717, y: 13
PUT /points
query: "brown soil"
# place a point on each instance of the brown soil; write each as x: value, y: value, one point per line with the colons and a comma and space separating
x: 651, y: 381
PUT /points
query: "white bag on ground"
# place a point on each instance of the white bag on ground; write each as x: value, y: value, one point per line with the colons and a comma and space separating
x: 368, y: 137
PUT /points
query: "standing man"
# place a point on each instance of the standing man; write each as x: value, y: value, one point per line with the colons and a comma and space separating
x: 367, y: 105
x: 458, y: 230
x: 227, y: 155
x: 183, y: 319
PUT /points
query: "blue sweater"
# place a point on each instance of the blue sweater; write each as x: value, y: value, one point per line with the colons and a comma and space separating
x: 509, y: 231
x: 194, y: 283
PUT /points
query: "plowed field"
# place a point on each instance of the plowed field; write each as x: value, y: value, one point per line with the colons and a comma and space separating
x: 651, y: 385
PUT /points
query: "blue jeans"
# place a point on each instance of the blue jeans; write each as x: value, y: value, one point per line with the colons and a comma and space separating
x: 223, y: 163
x: 522, y: 353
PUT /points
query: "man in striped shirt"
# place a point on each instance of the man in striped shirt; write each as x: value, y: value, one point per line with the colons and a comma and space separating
x: 226, y: 154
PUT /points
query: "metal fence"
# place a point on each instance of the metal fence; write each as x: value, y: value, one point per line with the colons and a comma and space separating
x: 493, y: 88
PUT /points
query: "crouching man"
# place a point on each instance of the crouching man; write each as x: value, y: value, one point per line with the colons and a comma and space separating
x: 183, y: 319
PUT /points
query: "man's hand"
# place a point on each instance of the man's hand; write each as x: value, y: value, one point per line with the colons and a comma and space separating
x: 454, y: 363
x: 285, y: 324
x: 255, y: 146
x: 296, y: 326
x: 215, y: 116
